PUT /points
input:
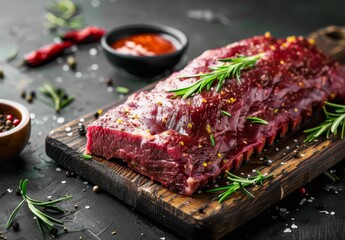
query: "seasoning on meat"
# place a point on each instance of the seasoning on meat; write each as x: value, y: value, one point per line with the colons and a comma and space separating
x: 285, y: 85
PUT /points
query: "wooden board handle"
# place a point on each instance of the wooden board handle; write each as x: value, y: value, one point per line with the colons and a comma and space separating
x: 331, y: 40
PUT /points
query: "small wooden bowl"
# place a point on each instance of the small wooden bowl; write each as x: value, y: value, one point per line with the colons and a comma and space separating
x: 12, y: 142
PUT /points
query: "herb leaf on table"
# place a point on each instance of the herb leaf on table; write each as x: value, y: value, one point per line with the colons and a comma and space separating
x: 37, y: 208
x: 59, y: 96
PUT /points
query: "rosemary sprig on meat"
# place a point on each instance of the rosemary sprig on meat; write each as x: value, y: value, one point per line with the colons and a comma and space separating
x: 58, y: 95
x: 231, y: 68
x: 37, y: 207
x: 333, y: 121
x: 257, y: 120
x: 239, y: 183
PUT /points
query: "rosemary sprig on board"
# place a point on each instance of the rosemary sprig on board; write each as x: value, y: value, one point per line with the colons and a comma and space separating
x: 334, y: 120
x: 58, y: 95
x: 257, y: 120
x: 232, y: 67
x: 37, y: 208
x: 239, y: 183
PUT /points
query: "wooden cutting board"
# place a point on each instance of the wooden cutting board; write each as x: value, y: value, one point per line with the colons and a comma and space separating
x: 199, y: 216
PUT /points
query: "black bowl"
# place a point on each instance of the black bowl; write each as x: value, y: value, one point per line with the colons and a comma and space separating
x: 144, y: 65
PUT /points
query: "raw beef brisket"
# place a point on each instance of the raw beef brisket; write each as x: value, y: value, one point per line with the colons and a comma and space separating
x: 168, y: 139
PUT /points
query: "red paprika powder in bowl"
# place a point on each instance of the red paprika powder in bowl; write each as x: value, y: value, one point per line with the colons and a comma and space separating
x: 143, y: 49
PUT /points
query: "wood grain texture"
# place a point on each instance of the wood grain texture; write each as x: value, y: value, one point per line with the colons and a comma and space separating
x: 199, y: 216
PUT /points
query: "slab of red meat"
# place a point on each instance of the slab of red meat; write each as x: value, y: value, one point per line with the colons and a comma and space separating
x: 168, y: 139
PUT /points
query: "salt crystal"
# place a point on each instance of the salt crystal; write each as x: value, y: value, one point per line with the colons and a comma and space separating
x: 95, y: 3
x: 81, y: 120
x: 67, y: 129
x: 63, y: 182
x: 282, y: 163
x: 110, y: 89
x: 295, y: 140
x: 94, y: 67
x: 58, y: 169
x: 294, y: 226
x: 74, y: 48
x: 287, y: 230
x: 162, y: 238
x: 59, y: 79
x: 287, y: 147
x: 65, y: 67
x: 282, y: 209
x: 49, y: 197
x: 32, y: 115
x: 9, y: 190
x: 39, y: 133
x: 292, y: 219
x: 93, y: 51
x: 70, y: 134
x: 78, y: 74
x: 332, y: 213
x: 60, y: 120
x: 86, y: 183
x: 87, y: 207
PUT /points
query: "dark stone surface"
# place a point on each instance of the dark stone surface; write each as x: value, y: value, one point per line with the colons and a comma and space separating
x: 22, y: 21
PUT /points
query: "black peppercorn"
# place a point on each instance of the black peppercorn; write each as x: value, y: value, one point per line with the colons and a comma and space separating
x: 23, y: 94
x: 96, y: 115
x: 82, y: 130
x: 15, y: 226
x: 33, y: 94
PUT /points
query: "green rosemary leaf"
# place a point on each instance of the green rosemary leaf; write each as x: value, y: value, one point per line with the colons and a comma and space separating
x: 239, y: 183
x: 232, y: 68
x: 333, y: 121
x: 86, y: 156
x: 249, y: 194
x: 122, y: 90
x: 225, y: 113
x: 331, y: 176
x: 257, y: 120
x: 38, y: 214
x: 13, y: 214
x: 38, y: 221
x: 212, y: 140
x: 42, y: 219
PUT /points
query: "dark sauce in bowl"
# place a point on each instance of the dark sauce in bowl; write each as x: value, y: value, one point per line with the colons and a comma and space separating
x: 144, y: 44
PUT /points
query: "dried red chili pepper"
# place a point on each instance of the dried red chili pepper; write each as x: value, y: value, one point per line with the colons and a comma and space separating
x: 45, y: 54
x: 89, y: 34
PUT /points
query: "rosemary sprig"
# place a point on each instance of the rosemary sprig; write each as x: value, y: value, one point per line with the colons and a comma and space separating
x: 58, y: 95
x: 63, y: 13
x: 257, y: 120
x: 239, y: 183
x: 225, y: 113
x: 334, y: 120
x: 37, y: 208
x: 232, y: 67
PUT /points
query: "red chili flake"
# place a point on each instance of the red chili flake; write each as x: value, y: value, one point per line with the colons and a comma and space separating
x: 89, y: 34
x: 45, y: 54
